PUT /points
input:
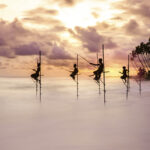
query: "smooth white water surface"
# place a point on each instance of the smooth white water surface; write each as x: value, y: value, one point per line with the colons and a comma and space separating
x: 60, y: 121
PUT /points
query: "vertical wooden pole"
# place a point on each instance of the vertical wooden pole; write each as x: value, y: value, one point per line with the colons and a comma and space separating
x: 104, y: 71
x: 128, y: 71
x: 128, y: 76
x: 40, y: 73
x: 77, y: 77
x: 97, y: 63
x: 104, y: 67
x: 37, y: 82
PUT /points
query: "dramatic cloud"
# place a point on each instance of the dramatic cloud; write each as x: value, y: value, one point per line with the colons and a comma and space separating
x: 5, y: 51
x: 135, y: 8
x: 44, y: 17
x: 39, y: 20
x: 27, y: 49
x: 2, y: 42
x: 10, y: 35
x: 132, y: 27
x: 41, y: 11
x: 120, y: 55
x: 15, y: 41
x: 91, y: 39
x: 59, y: 53
x: 143, y: 10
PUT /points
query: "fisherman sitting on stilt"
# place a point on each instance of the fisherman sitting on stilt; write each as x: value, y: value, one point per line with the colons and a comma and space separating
x: 124, y: 74
x: 97, y: 73
x: 74, y: 72
x: 37, y: 72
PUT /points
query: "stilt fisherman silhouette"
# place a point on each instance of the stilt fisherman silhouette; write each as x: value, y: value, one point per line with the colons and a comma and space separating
x: 97, y: 73
x: 36, y: 75
x: 124, y: 74
x: 74, y: 72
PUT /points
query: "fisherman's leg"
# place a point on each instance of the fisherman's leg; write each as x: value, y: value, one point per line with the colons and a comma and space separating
x: 73, y: 77
x: 124, y: 78
x: 95, y: 78
x: 95, y: 73
x: 33, y: 76
x: 99, y: 76
x: 71, y: 74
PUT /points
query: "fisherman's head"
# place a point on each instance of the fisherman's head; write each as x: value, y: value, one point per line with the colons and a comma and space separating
x: 100, y: 60
x: 74, y: 65
x: 124, y: 67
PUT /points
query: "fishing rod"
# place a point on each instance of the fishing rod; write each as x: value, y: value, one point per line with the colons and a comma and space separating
x: 86, y: 60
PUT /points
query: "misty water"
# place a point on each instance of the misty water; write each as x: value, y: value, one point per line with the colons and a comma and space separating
x: 60, y: 121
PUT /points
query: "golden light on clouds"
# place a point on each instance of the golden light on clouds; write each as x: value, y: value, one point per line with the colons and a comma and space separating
x: 78, y: 15
x: 81, y: 14
x: 62, y: 28
x: 15, y: 8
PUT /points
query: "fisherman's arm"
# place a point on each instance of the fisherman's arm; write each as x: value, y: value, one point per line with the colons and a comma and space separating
x: 94, y: 64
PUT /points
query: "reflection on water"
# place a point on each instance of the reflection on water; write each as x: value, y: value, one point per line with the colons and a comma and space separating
x: 61, y: 122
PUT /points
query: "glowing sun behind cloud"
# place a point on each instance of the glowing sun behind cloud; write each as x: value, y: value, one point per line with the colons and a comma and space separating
x: 81, y: 14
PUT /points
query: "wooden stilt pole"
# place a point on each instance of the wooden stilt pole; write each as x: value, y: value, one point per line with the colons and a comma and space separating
x: 36, y: 82
x: 40, y: 82
x: 129, y: 71
x: 77, y: 77
x: 128, y: 77
x: 104, y: 71
x: 99, y: 79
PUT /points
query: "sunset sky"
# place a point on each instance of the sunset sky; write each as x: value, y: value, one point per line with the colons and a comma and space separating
x: 63, y: 28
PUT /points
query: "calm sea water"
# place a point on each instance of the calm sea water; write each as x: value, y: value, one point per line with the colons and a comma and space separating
x: 60, y: 121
